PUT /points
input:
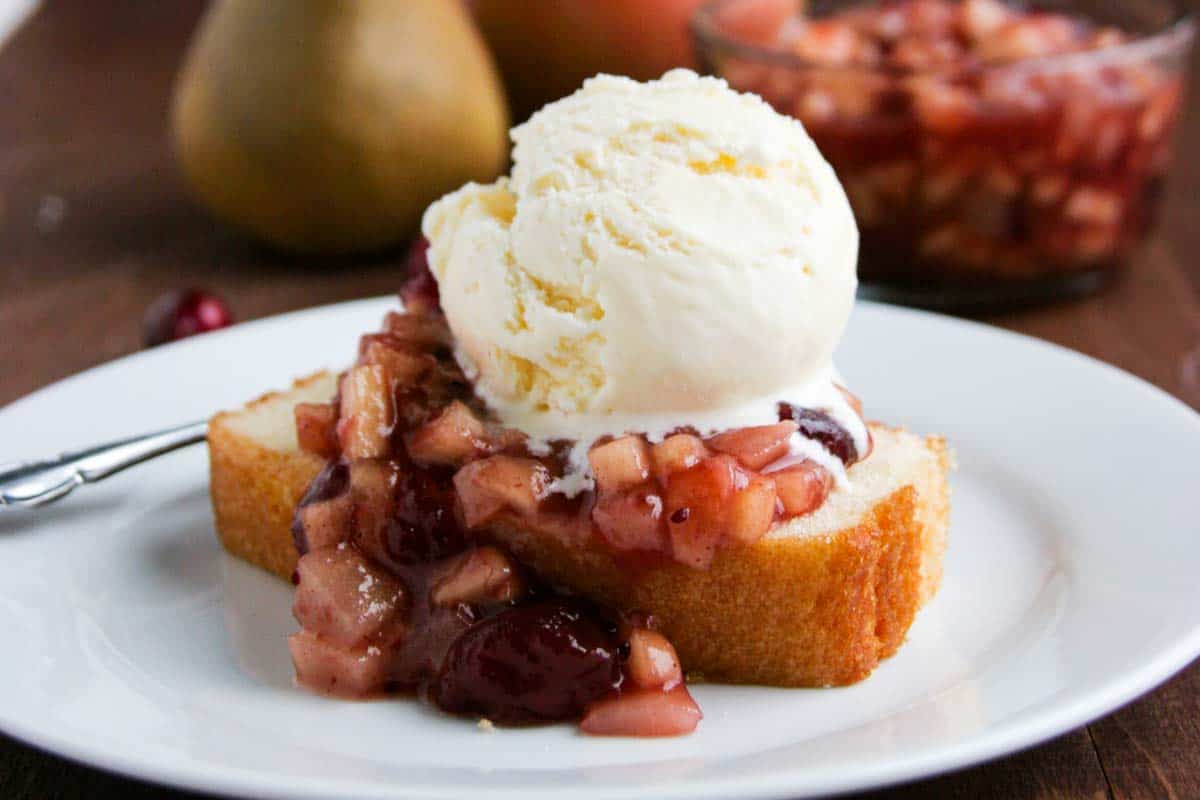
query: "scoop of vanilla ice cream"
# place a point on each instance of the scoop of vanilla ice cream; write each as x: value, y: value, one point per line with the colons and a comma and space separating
x: 664, y: 254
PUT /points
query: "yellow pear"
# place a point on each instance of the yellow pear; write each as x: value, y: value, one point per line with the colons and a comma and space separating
x: 329, y: 125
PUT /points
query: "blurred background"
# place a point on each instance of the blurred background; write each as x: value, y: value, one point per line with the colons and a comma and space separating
x: 274, y: 156
x: 170, y: 168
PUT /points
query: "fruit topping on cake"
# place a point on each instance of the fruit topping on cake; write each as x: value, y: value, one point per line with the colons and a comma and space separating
x: 592, y: 357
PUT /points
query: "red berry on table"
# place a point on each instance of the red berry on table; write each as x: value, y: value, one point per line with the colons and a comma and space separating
x: 182, y: 313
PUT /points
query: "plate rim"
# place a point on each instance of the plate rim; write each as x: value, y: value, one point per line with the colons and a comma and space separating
x: 1028, y: 728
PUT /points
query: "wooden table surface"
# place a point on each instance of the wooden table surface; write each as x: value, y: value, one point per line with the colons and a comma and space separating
x: 94, y: 224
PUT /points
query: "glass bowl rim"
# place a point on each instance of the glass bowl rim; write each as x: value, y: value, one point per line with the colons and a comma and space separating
x: 1177, y: 32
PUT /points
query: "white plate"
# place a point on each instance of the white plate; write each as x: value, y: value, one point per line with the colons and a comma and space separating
x: 132, y: 643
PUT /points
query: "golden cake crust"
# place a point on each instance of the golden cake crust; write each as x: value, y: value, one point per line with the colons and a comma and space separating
x: 798, y: 609
x: 255, y: 485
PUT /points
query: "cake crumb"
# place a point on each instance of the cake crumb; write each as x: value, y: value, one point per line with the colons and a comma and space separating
x: 486, y: 725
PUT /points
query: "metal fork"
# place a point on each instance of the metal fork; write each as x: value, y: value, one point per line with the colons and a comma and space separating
x: 29, y: 484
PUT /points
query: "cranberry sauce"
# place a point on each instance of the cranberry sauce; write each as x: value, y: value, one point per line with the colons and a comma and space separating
x: 980, y: 162
x: 524, y: 656
x: 460, y: 622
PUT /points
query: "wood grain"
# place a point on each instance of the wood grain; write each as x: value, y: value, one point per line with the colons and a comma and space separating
x: 94, y: 223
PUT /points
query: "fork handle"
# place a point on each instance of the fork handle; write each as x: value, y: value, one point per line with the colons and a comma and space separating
x: 35, y: 483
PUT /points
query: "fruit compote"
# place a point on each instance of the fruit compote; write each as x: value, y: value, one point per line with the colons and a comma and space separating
x: 400, y: 587
x: 990, y: 151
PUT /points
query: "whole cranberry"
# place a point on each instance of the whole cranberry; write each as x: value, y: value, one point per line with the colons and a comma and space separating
x: 535, y: 663
x: 182, y: 313
x: 823, y: 428
x: 419, y: 291
x: 424, y: 526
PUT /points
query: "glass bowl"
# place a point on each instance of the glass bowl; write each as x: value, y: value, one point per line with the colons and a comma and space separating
x: 985, y: 166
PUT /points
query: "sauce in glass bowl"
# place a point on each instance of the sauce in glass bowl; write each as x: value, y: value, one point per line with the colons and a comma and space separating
x: 993, y: 153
